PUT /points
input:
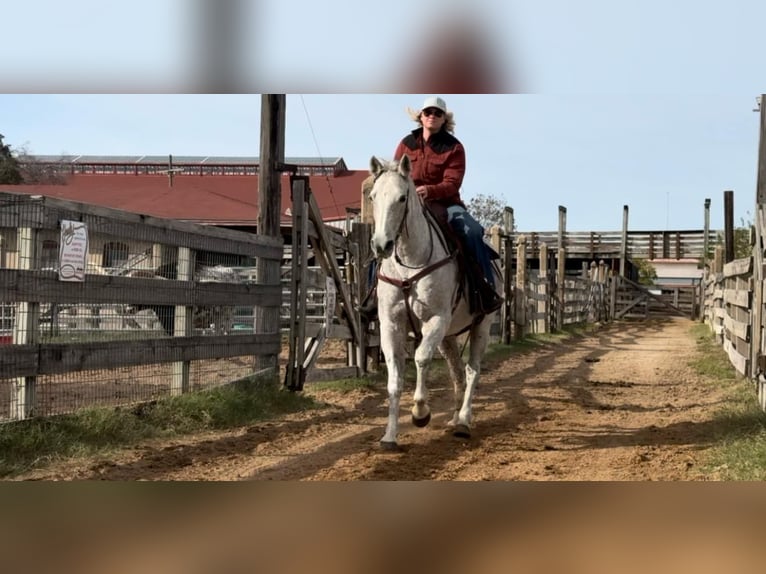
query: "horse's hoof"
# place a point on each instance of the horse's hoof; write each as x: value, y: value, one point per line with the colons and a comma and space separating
x: 420, y: 423
x: 388, y: 446
x: 461, y: 431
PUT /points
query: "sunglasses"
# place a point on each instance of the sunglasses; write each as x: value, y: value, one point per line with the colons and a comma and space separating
x: 433, y: 112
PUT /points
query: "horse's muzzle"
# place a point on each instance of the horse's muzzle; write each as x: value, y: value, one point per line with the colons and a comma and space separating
x: 383, y: 251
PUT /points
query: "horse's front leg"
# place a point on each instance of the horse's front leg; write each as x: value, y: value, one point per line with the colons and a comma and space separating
x: 433, y: 332
x: 392, y: 345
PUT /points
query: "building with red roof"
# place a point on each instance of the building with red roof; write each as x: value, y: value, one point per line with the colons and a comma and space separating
x: 220, y: 191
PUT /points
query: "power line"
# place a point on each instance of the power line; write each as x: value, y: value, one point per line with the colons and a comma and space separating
x: 321, y: 159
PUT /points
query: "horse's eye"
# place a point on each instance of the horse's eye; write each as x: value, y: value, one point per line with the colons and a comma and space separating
x: 402, y: 199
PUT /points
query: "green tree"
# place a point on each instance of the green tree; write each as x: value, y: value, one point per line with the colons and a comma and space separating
x: 647, y: 274
x: 487, y: 210
x: 9, y: 165
x: 743, y: 243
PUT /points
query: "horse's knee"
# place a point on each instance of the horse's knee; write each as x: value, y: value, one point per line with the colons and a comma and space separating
x: 423, y: 363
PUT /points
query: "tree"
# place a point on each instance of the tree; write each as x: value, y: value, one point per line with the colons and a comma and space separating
x: 487, y: 210
x: 9, y: 165
x: 647, y: 274
x: 35, y: 172
x: 743, y: 244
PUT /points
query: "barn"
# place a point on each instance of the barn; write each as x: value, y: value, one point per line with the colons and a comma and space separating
x: 220, y: 191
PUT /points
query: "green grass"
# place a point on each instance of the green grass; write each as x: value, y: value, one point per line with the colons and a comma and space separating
x: 370, y: 382
x: 38, y: 442
x: 740, y: 426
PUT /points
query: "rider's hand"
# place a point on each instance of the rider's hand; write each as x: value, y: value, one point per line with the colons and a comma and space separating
x: 422, y: 191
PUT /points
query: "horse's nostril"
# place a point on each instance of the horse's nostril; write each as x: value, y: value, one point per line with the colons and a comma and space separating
x: 389, y: 245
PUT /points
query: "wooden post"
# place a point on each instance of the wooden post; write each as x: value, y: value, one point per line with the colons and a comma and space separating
x: 718, y: 259
x: 544, y: 304
x: 182, y: 323
x: 508, y: 310
x: 561, y: 288
x: 562, y: 226
x: 706, y: 248
x: 272, y: 156
x: 366, y: 212
x: 508, y: 220
x: 495, y: 238
x: 624, y: 244
x: 728, y: 225
x: 295, y: 373
x: 758, y: 340
x: 521, y: 284
x: 561, y: 266
x: 25, y: 327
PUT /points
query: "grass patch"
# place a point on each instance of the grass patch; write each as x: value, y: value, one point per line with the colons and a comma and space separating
x: 740, y: 426
x: 36, y: 443
x: 343, y: 386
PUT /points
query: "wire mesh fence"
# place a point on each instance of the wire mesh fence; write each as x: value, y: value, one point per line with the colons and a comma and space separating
x: 159, y: 306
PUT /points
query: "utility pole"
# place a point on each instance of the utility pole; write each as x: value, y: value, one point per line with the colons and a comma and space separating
x: 272, y: 157
x: 171, y: 171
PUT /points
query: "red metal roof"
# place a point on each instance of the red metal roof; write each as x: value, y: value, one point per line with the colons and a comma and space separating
x: 215, y: 199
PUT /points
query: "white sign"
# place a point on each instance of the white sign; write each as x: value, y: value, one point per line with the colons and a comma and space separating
x: 73, y: 251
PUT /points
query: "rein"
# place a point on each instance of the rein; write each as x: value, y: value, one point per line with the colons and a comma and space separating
x: 406, y: 285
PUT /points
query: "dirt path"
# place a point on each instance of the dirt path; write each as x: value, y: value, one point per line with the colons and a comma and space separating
x: 620, y: 404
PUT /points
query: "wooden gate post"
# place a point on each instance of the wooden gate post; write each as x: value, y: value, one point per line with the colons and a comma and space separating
x: 26, y: 326
x: 182, y: 322
x: 544, y: 303
x: 624, y: 243
x: 758, y: 340
x: 272, y: 157
x: 508, y: 310
x: 521, y: 288
x: 561, y: 288
x: 295, y: 374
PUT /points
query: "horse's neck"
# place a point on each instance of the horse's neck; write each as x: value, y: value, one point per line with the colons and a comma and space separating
x: 416, y: 246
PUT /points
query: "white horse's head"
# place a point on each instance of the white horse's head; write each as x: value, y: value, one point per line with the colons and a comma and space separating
x: 390, y: 200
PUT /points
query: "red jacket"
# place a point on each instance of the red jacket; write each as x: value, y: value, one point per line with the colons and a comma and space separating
x: 438, y: 164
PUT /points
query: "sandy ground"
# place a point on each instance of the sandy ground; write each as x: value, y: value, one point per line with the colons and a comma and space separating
x: 620, y: 404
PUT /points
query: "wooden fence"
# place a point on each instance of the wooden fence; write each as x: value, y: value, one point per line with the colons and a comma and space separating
x: 128, y: 335
x: 731, y: 311
x: 734, y: 297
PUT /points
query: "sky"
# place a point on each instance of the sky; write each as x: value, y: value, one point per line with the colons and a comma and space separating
x: 590, y: 105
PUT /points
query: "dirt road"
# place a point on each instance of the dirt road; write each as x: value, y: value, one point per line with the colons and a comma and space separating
x: 619, y: 404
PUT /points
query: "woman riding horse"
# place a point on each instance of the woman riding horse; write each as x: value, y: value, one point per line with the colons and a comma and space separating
x: 438, y: 166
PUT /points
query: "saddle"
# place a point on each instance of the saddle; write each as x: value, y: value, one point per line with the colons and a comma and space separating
x: 482, y: 299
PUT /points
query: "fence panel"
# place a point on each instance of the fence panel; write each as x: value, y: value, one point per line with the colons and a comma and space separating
x: 163, y: 307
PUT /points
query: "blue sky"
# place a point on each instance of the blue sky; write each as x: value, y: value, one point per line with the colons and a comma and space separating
x: 646, y: 104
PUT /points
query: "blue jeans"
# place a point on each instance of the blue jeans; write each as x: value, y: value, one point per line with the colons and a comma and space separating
x: 472, y: 234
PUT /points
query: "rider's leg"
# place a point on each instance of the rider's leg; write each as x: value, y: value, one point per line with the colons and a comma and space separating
x: 472, y: 235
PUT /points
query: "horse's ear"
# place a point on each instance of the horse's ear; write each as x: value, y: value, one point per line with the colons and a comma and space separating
x: 405, y: 166
x: 375, y: 166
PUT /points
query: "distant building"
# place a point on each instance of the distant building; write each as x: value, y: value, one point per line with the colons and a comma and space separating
x: 672, y: 272
x: 220, y: 191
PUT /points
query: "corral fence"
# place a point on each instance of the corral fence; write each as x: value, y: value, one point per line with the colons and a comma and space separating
x: 733, y: 309
x: 167, y: 307
x: 162, y: 307
x: 734, y: 296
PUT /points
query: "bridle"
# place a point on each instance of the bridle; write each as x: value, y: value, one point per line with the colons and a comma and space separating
x: 406, y: 285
